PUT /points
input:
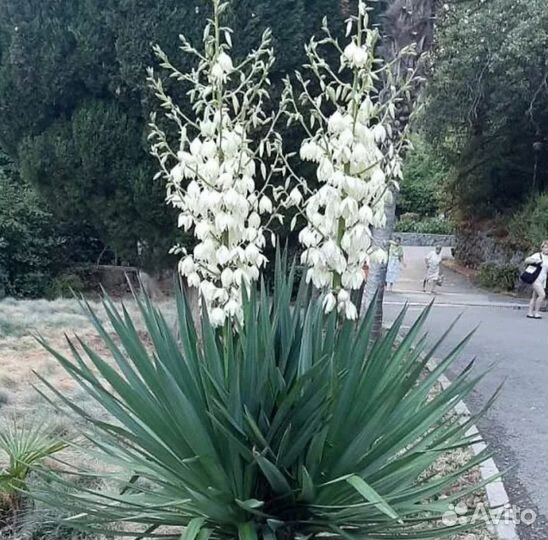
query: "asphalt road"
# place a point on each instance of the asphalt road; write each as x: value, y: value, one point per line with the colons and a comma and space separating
x: 515, y: 349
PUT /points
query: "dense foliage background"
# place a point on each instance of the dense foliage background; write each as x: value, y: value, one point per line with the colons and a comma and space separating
x: 487, y: 104
x: 35, y: 247
x: 74, y: 107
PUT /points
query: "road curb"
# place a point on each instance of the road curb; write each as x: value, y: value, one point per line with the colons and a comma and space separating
x: 441, y: 303
x: 497, y: 495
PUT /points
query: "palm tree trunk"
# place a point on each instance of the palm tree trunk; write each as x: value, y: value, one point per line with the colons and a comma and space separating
x: 376, y: 281
x: 405, y: 22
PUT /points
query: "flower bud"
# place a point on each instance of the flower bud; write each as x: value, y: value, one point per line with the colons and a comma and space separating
x: 379, y: 132
x: 185, y: 221
x: 217, y: 317
x: 187, y: 266
x: 195, y: 147
x: 209, y: 149
x: 343, y: 296
x: 225, y: 62
x: 265, y: 205
x: 254, y: 220
x: 329, y: 303
x: 217, y: 72
x: 193, y: 280
x: 227, y: 278
x: 177, y: 174
x: 223, y: 255
x: 295, y: 196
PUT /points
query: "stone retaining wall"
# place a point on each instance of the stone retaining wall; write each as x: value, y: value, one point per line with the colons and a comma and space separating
x: 424, y: 240
x: 473, y: 248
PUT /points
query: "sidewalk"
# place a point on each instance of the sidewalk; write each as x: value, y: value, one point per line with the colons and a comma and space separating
x: 457, y: 290
x: 509, y: 349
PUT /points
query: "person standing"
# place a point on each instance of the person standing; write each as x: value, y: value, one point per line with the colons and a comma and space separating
x: 365, y: 270
x: 433, y: 261
x: 540, y: 263
x: 395, y: 260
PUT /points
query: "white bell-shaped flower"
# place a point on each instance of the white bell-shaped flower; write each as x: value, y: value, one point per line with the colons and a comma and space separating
x: 217, y: 317
x: 265, y: 205
x: 225, y: 62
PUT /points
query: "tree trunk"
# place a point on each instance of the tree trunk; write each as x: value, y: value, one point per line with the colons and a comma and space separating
x: 405, y: 22
x: 377, y: 272
x: 100, y: 258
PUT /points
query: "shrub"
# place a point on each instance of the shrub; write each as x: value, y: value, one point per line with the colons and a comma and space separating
x: 502, y: 277
x: 425, y: 225
x: 294, y: 425
x: 39, y: 522
x: 28, y: 240
x: 31, y: 285
x: 34, y: 246
x: 24, y: 447
x: 529, y: 227
x: 65, y: 286
x: 424, y: 174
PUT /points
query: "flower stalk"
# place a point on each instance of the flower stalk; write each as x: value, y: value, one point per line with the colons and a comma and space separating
x: 348, y: 123
x: 220, y: 177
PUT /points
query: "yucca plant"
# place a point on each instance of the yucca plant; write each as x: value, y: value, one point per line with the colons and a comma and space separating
x: 293, y: 425
x: 23, y: 447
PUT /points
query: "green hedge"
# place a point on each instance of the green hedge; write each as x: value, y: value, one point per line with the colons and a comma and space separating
x: 529, y: 227
x: 425, y: 225
x: 425, y: 173
x: 501, y: 277
x: 34, y: 246
x: 28, y: 240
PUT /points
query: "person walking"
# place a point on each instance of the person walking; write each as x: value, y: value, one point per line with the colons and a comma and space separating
x: 538, y: 271
x: 433, y: 261
x: 395, y: 261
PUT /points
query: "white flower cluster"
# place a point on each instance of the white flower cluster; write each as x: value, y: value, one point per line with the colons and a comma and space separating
x: 220, y: 205
x: 355, y: 164
x: 212, y: 177
x: 350, y: 200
